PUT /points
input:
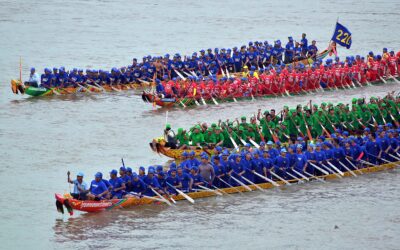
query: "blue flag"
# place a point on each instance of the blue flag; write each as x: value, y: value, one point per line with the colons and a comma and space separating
x: 342, y: 36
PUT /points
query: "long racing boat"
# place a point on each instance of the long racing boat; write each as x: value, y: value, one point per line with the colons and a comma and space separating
x: 184, y: 102
x: 18, y: 88
x: 104, y: 205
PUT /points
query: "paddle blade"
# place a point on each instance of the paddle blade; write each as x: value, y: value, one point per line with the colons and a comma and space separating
x: 144, y: 97
x: 68, y: 207
x: 60, y: 207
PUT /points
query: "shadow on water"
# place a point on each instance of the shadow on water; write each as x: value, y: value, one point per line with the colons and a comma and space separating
x: 85, y: 224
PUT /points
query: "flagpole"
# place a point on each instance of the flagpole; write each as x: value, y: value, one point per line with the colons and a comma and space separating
x: 20, y: 69
x: 330, y: 42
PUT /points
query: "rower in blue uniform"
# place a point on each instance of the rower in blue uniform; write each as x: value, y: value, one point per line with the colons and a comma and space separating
x: 118, y: 185
x: 151, y: 181
x: 185, y: 179
x: 98, y: 189
x: 219, y: 171
x: 174, y: 181
x: 281, y: 164
x: 196, y: 178
x: 237, y: 169
x: 138, y: 186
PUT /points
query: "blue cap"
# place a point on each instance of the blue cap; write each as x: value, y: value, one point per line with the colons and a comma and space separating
x: 80, y: 174
x: 142, y: 168
x: 204, y: 157
x: 270, y: 143
x: 172, y: 165
x: 114, y: 171
x: 161, y: 173
x: 299, y: 146
x: 128, y: 169
x: 159, y: 168
x: 218, y: 148
x: 248, y: 145
x: 151, y: 171
x: 122, y: 169
x: 283, y: 150
x: 192, y: 153
x: 262, y: 143
x: 134, y: 175
x: 98, y: 175
x: 32, y: 68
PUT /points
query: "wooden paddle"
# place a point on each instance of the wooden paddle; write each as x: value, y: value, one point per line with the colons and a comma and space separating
x: 229, y: 185
x: 210, y: 190
x: 267, y: 179
x: 252, y: 183
x: 241, y: 184
x: 161, y: 197
x: 280, y: 178
x: 187, y: 197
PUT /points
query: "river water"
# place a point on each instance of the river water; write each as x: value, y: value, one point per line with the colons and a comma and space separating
x: 41, y: 139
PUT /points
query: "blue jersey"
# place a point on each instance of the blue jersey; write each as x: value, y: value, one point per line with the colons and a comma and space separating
x: 197, y: 179
x: 281, y: 163
x: 97, y: 187
x: 312, y: 50
x: 383, y: 143
x: 138, y: 186
x: 185, y: 180
x: 151, y: 181
x: 372, y: 148
x: 292, y: 159
x: 273, y: 153
x: 116, y: 183
x: 338, y: 153
x: 267, y: 163
x: 45, y: 79
x: 304, y: 45
x: 301, y: 162
x: 193, y: 162
x: 173, y: 181
x: 289, y: 52
x: 319, y: 156
x: 248, y: 166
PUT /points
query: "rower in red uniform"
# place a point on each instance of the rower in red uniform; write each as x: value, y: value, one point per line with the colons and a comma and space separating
x: 392, y: 63
x: 373, y: 70
x: 398, y: 63
x: 338, y: 75
x: 168, y: 88
x: 363, y: 71
x: 381, y: 66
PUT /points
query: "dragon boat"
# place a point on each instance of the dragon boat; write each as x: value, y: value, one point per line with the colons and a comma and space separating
x: 158, y: 146
x: 213, y: 100
x: 104, y: 205
x: 18, y: 87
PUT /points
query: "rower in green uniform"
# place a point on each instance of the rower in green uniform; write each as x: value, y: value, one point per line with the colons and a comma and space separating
x: 182, y: 138
x: 196, y: 137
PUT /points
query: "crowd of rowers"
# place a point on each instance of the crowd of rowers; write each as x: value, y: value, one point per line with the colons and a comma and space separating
x: 310, y: 121
x: 281, y: 78
x: 203, y: 63
x: 256, y: 59
x: 224, y: 166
